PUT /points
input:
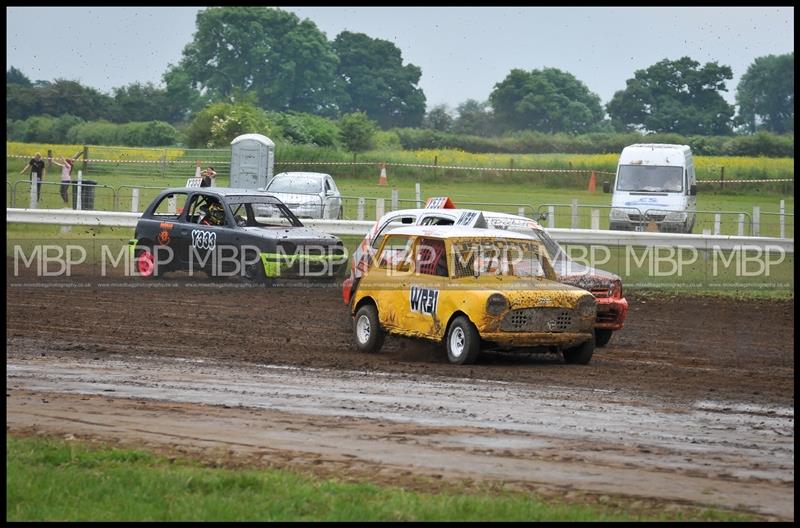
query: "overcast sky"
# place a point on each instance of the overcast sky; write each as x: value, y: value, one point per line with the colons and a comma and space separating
x: 463, y: 52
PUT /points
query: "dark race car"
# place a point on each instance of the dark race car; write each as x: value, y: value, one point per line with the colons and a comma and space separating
x: 231, y: 232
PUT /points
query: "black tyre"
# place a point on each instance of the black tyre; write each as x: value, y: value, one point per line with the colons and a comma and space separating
x: 581, y: 354
x: 367, y: 329
x: 254, y: 270
x: 462, y: 342
x: 602, y: 336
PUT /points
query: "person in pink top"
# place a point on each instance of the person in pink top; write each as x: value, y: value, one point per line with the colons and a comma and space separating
x: 66, y: 176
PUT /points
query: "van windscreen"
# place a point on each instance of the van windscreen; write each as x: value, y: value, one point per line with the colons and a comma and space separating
x: 650, y: 178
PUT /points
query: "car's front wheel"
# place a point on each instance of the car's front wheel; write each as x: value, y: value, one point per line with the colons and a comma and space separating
x: 367, y: 329
x: 581, y: 354
x: 602, y: 336
x: 463, y: 343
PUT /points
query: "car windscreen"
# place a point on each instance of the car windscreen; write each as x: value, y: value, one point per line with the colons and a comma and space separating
x: 295, y: 184
x: 650, y: 178
x: 261, y: 211
x: 506, y: 257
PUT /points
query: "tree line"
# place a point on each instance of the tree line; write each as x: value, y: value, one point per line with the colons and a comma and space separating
x: 285, y: 68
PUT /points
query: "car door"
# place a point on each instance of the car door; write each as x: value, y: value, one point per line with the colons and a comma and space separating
x: 424, y: 287
x: 332, y: 202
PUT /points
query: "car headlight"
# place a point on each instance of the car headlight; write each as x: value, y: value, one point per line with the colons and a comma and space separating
x: 675, y: 217
x: 616, y: 289
x: 618, y: 214
x: 587, y: 306
x: 496, y: 304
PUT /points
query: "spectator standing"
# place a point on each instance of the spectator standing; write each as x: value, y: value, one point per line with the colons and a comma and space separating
x: 209, y: 177
x: 66, y: 176
x: 36, y: 166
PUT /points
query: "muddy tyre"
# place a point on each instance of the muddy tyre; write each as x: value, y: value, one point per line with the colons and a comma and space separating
x: 602, y: 337
x: 462, y: 342
x: 581, y: 354
x: 367, y: 329
x: 145, y: 263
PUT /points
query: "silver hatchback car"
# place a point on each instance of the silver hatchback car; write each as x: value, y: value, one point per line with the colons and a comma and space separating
x: 307, y: 194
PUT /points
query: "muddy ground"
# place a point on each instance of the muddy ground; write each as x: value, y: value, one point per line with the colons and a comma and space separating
x: 692, y: 403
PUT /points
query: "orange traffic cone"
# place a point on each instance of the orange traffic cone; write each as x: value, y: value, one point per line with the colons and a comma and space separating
x: 593, y: 181
x: 382, y: 179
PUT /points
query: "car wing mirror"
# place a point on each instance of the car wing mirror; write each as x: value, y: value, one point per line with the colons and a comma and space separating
x: 693, y: 189
x: 606, y: 187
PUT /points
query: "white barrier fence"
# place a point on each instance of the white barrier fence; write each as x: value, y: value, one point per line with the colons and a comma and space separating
x: 360, y: 228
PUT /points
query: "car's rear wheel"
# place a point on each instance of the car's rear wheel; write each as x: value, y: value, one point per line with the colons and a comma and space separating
x: 581, y: 354
x: 367, y: 329
x: 602, y: 336
x: 145, y: 262
x: 463, y: 343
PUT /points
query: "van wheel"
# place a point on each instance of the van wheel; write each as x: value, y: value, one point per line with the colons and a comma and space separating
x: 463, y: 343
x: 581, y: 354
x: 602, y: 336
x: 367, y: 329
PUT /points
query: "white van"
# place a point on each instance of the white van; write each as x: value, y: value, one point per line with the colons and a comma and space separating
x: 655, y: 187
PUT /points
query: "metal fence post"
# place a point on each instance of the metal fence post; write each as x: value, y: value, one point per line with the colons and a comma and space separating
x: 717, y: 222
x: 78, y: 201
x: 394, y: 199
x: 34, y: 196
x: 782, y: 210
x: 172, y: 205
x: 551, y: 216
x: 741, y: 224
x: 595, y: 219
x: 521, y: 211
x: 379, y: 207
x: 361, y: 203
x: 135, y: 200
x: 756, y: 221
x: 418, y: 192
x: 574, y: 213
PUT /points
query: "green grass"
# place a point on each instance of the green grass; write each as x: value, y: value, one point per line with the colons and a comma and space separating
x: 56, y: 480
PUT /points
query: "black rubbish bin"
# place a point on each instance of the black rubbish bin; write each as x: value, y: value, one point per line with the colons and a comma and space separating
x: 87, y: 194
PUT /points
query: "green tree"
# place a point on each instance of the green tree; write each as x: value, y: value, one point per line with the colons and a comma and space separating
x: 142, y: 102
x: 307, y: 129
x: 377, y: 83
x: 357, y: 131
x: 288, y: 63
x: 71, y: 97
x: 548, y: 100
x: 21, y: 101
x: 15, y: 76
x: 674, y: 96
x: 765, y: 94
x: 439, y: 118
x: 475, y: 118
x: 218, y: 124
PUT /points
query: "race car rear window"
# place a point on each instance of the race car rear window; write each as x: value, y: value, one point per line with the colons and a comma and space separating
x: 171, y: 205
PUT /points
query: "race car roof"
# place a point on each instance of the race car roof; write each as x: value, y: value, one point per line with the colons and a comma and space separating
x: 220, y: 191
x: 459, y: 232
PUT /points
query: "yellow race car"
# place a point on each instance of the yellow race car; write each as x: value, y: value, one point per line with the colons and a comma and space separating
x: 471, y: 289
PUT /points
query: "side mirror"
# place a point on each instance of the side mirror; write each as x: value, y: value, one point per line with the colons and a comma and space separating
x: 693, y: 189
x: 329, y: 192
x: 606, y: 187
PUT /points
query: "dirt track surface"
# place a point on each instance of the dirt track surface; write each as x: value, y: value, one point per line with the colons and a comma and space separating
x: 692, y: 403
